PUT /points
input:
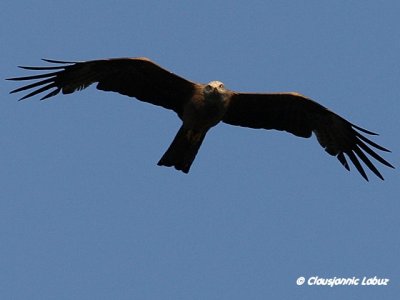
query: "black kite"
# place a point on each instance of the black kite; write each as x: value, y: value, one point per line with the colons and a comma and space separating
x: 202, y: 106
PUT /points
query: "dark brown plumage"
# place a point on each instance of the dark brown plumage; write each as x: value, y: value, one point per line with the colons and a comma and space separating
x: 202, y: 106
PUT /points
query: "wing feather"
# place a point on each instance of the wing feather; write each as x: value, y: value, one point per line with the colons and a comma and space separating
x: 134, y: 77
x: 302, y: 116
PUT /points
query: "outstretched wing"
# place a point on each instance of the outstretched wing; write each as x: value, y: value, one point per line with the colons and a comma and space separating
x: 301, y: 116
x: 134, y: 77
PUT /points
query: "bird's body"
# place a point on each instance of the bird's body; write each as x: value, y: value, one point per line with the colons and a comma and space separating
x: 206, y: 109
x: 202, y: 106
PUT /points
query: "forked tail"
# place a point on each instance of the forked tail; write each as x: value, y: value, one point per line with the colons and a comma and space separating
x: 183, y: 149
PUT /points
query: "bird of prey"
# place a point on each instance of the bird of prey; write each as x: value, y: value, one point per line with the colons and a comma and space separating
x: 202, y: 106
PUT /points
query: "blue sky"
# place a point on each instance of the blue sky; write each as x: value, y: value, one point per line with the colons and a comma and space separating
x: 85, y: 213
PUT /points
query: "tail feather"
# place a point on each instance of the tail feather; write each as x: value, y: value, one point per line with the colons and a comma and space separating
x: 183, y: 149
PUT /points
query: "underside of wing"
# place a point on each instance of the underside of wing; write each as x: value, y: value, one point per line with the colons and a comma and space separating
x: 280, y: 111
x: 134, y: 77
x: 302, y: 116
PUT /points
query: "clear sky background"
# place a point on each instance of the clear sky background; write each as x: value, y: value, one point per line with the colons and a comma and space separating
x: 85, y: 213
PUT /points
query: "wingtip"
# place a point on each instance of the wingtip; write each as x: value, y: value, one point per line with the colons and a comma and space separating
x: 364, y: 130
x: 364, y: 175
x: 24, y: 67
x: 390, y: 166
x: 23, y: 98
x: 55, y: 61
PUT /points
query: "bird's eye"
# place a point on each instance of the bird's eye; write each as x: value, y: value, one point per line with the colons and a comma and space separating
x: 221, y: 85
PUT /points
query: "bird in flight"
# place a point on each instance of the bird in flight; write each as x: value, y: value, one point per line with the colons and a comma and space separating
x: 202, y: 106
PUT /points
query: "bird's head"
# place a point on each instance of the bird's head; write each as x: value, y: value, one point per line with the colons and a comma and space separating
x: 214, y: 88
